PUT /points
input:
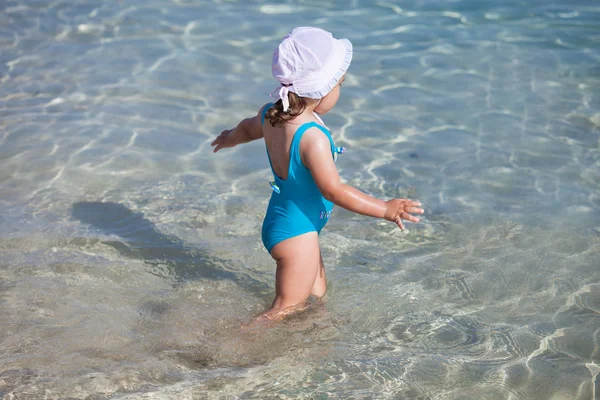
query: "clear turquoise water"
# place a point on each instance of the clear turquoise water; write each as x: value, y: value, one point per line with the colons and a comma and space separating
x: 130, y: 254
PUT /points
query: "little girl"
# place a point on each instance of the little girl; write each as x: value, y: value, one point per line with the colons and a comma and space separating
x: 310, y: 64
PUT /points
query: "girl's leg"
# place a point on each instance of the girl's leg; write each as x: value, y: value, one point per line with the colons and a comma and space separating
x: 299, y: 267
x: 320, y: 286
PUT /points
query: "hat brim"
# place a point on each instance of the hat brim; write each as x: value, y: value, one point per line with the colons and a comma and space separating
x: 336, y: 66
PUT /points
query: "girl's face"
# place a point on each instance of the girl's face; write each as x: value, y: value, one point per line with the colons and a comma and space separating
x: 330, y: 100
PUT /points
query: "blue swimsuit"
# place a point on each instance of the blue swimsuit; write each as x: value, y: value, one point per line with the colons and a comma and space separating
x: 296, y: 206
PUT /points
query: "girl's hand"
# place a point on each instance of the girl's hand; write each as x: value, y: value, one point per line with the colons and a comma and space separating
x: 398, y: 209
x: 247, y: 130
x: 223, y: 140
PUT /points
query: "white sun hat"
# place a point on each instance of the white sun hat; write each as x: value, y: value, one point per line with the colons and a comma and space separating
x: 310, y: 62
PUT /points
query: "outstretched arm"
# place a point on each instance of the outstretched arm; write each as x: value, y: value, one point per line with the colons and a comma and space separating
x: 316, y: 151
x: 247, y: 130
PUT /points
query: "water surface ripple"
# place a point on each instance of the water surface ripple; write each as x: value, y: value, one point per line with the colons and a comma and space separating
x: 130, y: 254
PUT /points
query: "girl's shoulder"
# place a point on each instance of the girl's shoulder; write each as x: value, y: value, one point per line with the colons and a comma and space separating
x: 315, y: 138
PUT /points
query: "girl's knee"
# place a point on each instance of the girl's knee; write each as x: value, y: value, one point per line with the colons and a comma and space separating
x: 319, y: 288
x: 319, y: 293
x: 320, y: 285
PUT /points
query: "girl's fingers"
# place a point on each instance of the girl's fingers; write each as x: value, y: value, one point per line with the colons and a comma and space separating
x: 409, y: 217
x: 399, y: 223
x: 219, y: 138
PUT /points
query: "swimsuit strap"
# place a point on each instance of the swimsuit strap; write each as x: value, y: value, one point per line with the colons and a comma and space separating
x: 264, y: 112
x: 295, y: 146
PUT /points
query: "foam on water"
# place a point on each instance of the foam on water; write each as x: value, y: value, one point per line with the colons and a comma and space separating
x: 130, y: 255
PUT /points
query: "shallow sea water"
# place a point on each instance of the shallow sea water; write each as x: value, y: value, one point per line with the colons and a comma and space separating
x: 130, y: 254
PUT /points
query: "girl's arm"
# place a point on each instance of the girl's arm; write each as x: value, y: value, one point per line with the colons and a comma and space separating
x: 316, y: 151
x: 247, y: 130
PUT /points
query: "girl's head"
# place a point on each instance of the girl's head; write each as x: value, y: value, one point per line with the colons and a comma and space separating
x: 310, y: 64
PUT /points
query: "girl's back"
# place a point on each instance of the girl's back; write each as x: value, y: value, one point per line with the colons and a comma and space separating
x: 279, y: 140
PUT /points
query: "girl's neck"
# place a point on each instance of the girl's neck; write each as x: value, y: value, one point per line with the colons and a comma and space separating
x: 308, y: 115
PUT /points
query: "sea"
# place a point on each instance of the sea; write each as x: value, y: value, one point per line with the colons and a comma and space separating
x: 131, y: 261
